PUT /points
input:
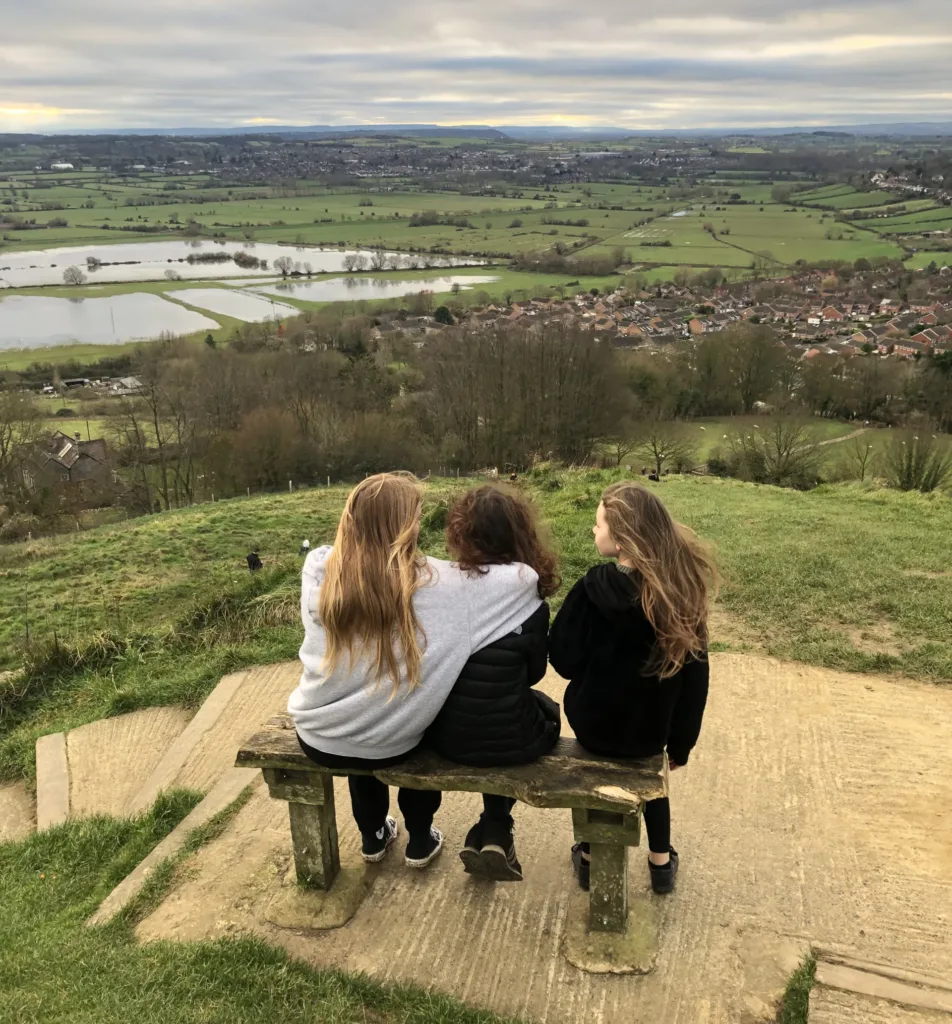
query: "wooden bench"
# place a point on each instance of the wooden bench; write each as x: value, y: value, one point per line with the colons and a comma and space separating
x: 605, y: 797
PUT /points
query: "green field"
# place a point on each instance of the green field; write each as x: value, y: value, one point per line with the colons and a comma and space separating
x: 498, y: 221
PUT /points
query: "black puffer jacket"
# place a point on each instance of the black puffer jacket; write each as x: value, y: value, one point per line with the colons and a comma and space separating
x: 604, y: 644
x: 492, y: 716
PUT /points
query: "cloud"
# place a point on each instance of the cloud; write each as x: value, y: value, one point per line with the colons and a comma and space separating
x: 106, y: 63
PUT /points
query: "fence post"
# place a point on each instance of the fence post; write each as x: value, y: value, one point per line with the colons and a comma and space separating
x: 290, y: 487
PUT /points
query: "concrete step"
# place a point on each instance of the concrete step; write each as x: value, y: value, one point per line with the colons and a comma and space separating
x: 110, y: 759
x: 17, y: 812
x: 205, y: 750
x: 835, y: 1006
x: 52, y: 781
x: 228, y: 788
x: 854, y: 991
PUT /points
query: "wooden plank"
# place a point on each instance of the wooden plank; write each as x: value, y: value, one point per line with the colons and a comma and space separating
x: 294, y: 786
x: 314, y: 839
x: 567, y: 777
x: 608, y: 888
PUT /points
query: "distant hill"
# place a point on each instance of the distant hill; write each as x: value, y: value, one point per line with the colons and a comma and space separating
x: 523, y: 133
x: 313, y: 131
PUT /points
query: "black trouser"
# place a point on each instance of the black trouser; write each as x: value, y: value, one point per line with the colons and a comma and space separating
x: 370, y: 798
x: 657, y: 824
x: 498, y: 809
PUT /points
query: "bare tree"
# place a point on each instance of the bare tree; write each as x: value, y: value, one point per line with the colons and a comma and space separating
x: 20, y: 425
x: 284, y: 265
x: 783, y: 453
x: 73, y: 276
x: 858, y: 454
x: 665, y: 443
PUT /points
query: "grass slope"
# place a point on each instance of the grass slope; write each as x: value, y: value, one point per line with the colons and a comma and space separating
x: 53, y: 969
x: 154, y: 611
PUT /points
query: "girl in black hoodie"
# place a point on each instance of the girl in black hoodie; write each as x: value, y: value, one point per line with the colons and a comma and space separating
x: 632, y: 639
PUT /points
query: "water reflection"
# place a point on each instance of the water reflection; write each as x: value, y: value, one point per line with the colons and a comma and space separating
x: 241, y: 305
x: 33, y: 321
x: 151, y: 261
x: 350, y: 289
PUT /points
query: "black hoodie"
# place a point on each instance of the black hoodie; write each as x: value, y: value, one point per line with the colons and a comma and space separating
x: 602, y: 642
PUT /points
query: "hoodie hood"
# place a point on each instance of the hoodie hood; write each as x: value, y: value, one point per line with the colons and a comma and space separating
x: 613, y: 592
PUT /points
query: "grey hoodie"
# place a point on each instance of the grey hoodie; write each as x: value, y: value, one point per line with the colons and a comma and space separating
x: 348, y: 714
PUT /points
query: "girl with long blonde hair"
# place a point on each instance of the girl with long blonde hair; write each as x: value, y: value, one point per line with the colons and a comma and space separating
x: 386, y: 632
x: 632, y: 639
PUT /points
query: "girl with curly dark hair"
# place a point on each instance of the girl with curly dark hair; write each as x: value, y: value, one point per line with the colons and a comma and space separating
x: 493, y: 717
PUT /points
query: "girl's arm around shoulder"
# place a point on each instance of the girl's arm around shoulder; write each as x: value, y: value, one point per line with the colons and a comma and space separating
x: 537, y: 626
x: 689, y: 710
x: 568, y: 637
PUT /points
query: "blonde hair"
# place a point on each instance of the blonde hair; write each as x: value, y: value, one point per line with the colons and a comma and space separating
x: 675, y: 572
x: 365, y: 603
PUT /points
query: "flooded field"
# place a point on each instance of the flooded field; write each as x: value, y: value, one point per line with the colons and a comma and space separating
x: 241, y: 305
x: 190, y: 259
x: 349, y: 289
x: 35, y: 321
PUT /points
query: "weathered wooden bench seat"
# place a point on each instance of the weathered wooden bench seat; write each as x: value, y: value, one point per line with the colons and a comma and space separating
x: 605, y: 798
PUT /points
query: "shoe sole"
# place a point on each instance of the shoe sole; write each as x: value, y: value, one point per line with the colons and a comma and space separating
x: 473, y: 864
x: 424, y: 862
x: 498, y: 866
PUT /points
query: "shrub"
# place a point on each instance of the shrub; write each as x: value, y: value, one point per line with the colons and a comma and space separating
x: 915, y: 462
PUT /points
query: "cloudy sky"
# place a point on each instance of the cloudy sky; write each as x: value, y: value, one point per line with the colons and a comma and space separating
x: 678, y: 63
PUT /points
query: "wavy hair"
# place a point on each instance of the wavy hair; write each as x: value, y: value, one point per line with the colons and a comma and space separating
x: 365, y: 603
x: 493, y: 525
x: 675, y: 572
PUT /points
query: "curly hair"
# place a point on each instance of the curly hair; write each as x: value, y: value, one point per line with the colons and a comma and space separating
x: 494, y: 525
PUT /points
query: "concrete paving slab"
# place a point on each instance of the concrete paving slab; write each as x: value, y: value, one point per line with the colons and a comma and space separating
x: 789, y: 817
x: 169, y: 767
x: 17, y: 812
x: 110, y: 759
x: 262, y: 693
x: 52, y: 781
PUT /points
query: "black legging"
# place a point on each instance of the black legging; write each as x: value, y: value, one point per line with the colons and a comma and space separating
x: 657, y: 824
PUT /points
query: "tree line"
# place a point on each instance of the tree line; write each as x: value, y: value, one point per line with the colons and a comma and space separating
x: 328, y: 395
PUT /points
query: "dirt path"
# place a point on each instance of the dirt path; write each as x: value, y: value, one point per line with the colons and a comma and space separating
x: 817, y: 808
x: 845, y: 437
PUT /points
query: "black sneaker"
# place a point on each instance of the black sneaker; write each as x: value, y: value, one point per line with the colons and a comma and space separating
x: 422, y: 853
x: 498, y: 853
x: 582, y: 866
x: 473, y: 864
x: 374, y: 847
x: 663, y: 876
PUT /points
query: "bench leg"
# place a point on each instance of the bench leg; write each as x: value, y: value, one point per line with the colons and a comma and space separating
x: 314, y: 837
x: 608, y: 889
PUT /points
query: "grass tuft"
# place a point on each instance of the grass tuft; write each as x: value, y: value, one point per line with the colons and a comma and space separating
x: 795, y: 1005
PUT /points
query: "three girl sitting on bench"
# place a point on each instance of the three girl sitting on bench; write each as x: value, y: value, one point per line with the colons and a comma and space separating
x: 402, y: 650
